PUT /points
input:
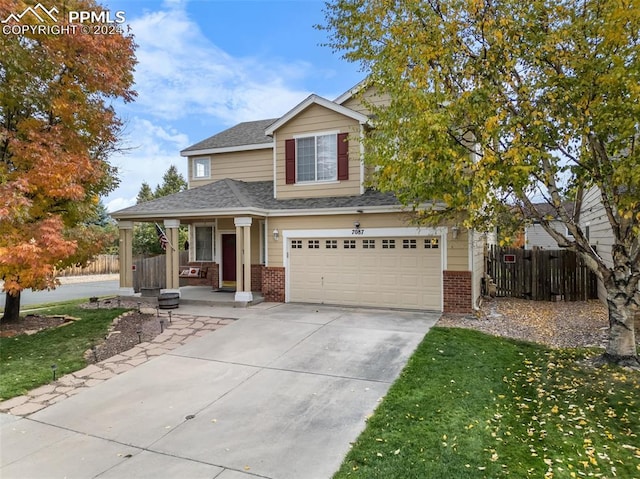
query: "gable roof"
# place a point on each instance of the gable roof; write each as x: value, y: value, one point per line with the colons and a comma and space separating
x: 317, y: 100
x: 243, y: 136
x: 228, y: 197
x: 351, y: 92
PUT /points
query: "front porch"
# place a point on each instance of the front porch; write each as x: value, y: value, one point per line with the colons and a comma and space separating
x: 203, y: 296
x: 224, y: 261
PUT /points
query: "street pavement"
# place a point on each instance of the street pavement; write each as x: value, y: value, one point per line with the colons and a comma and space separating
x: 279, y: 393
x: 71, y: 288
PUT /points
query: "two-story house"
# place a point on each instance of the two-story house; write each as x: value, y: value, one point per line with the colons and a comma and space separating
x: 279, y: 206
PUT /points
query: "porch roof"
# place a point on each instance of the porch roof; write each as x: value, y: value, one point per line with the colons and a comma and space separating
x: 233, y: 197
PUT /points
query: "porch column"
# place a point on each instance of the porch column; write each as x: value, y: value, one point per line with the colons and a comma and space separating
x: 172, y: 256
x: 125, y: 257
x: 243, y: 257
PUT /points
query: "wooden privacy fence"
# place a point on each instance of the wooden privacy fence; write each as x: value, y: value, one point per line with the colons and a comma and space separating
x: 101, y: 264
x: 541, y: 275
x: 151, y: 272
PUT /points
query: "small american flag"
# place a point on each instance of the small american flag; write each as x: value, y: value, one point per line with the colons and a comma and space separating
x: 162, y: 237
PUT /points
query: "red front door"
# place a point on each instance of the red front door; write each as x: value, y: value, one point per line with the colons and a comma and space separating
x: 228, y: 259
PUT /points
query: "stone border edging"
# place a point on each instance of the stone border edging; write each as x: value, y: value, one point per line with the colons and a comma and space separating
x: 181, y: 330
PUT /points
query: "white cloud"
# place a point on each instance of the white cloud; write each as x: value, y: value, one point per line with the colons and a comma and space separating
x: 185, y: 83
x: 150, y: 150
x: 119, y: 203
x: 181, y: 73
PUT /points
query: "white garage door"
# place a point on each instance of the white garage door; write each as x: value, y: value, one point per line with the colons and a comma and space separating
x: 385, y: 272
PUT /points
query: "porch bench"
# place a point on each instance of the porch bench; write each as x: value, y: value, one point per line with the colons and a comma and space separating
x: 193, y: 272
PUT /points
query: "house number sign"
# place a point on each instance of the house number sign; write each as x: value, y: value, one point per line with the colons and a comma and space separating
x: 357, y: 232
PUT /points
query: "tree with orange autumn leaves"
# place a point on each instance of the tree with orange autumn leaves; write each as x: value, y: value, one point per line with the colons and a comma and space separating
x: 57, y: 129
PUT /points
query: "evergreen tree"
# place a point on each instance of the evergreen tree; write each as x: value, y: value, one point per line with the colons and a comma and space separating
x: 145, y: 238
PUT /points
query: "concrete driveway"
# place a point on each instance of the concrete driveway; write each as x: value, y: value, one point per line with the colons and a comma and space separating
x: 278, y: 394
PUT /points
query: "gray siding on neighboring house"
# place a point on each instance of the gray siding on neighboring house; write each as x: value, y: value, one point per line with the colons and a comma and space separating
x: 535, y: 236
x: 593, y: 216
x: 478, y: 243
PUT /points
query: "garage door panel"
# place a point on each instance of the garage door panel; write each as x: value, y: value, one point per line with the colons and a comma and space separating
x: 369, y: 276
x: 410, y: 280
x: 369, y: 279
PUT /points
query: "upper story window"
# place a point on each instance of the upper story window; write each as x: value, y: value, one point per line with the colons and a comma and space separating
x: 317, y: 157
x: 201, y: 167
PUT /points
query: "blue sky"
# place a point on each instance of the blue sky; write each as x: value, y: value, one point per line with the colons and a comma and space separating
x: 207, y: 65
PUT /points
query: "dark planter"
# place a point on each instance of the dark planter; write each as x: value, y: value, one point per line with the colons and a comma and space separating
x: 168, y: 300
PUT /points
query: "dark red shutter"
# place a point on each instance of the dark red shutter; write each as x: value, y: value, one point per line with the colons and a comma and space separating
x: 290, y: 161
x: 343, y: 156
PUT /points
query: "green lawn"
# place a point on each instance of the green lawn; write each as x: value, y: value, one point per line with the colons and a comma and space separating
x: 25, y: 361
x: 469, y: 405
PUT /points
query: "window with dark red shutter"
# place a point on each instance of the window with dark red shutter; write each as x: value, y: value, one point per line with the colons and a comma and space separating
x: 290, y: 161
x: 343, y: 156
x: 317, y: 158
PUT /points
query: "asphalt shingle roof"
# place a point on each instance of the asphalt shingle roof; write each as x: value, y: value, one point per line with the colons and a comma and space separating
x: 247, y: 133
x: 231, y: 194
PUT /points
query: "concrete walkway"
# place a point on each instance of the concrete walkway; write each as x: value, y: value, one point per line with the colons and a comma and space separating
x: 279, y: 393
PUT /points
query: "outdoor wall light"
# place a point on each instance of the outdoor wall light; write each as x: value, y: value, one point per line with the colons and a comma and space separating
x: 276, y: 234
x: 454, y: 231
x: 356, y: 225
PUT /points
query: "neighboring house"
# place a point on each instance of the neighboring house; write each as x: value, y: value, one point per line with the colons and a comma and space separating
x: 596, y: 227
x: 279, y: 207
x: 536, y: 237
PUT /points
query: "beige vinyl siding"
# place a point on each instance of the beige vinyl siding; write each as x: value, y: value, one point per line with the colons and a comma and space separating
x: 457, y: 250
x: 252, y: 165
x: 477, y: 244
x: 255, y: 241
x: 226, y: 224
x: 593, y: 214
x: 371, y: 95
x: 317, y: 119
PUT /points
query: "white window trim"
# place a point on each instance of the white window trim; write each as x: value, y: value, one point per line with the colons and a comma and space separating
x: 193, y: 168
x: 316, y: 182
x: 315, y: 135
x: 262, y: 241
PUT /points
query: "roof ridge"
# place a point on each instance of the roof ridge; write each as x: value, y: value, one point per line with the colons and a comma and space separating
x: 242, y: 198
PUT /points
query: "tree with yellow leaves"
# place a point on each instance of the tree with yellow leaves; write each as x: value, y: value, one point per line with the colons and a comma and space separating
x: 57, y: 129
x: 497, y: 104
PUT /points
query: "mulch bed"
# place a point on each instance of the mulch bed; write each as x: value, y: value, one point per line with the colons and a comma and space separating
x: 128, y: 330
x: 31, y: 324
x: 556, y: 324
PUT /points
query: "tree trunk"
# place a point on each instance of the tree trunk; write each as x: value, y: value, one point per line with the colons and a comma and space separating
x: 12, y: 308
x: 621, y: 348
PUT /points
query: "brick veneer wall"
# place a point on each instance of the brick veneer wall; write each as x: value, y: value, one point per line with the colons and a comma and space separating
x: 214, y: 276
x: 457, y: 291
x: 256, y: 277
x: 273, y: 283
